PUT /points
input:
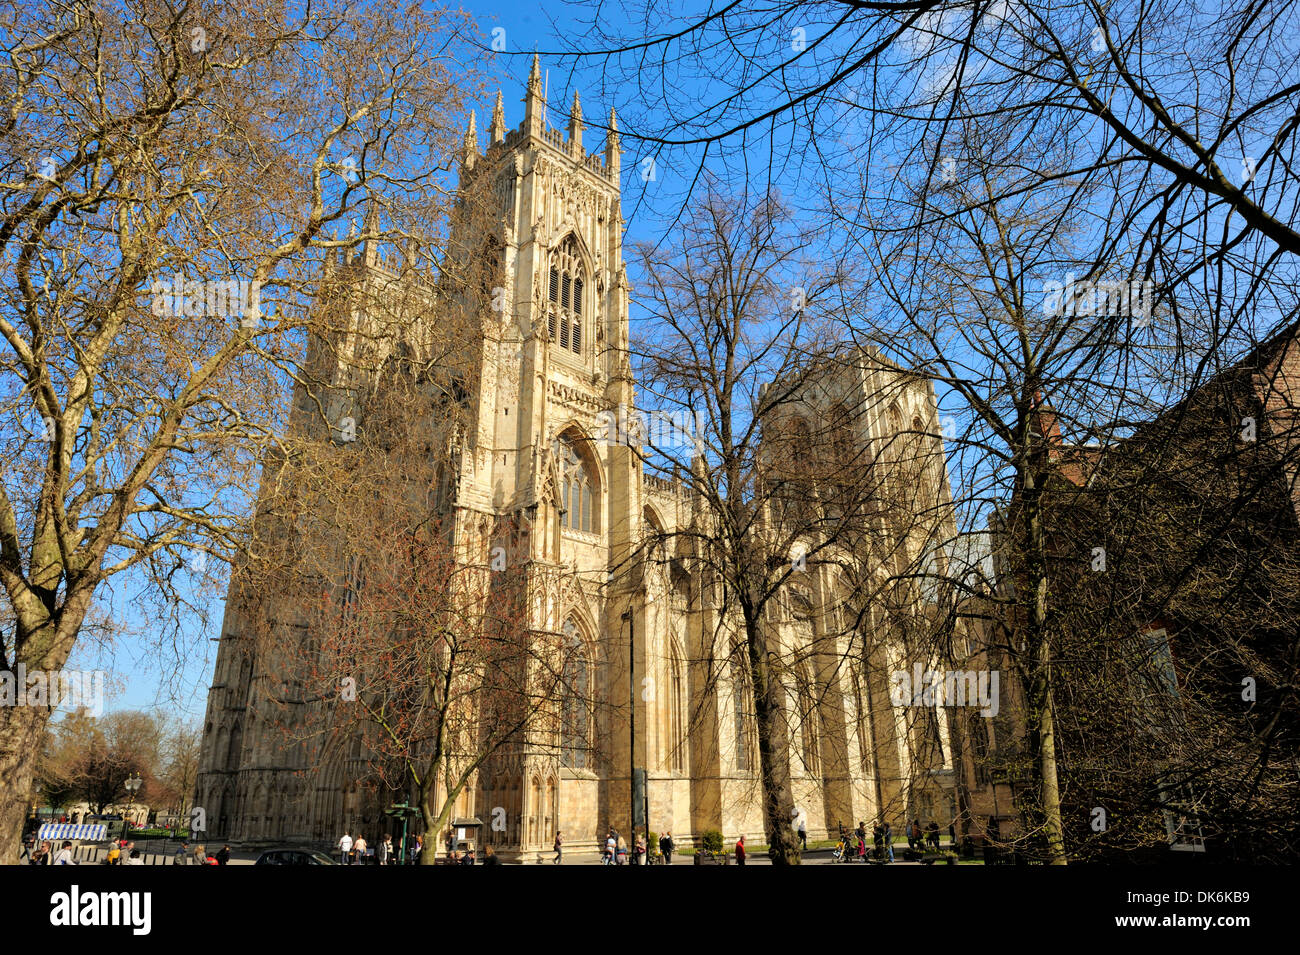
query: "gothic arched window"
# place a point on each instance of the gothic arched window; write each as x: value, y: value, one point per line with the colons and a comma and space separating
x: 579, y: 492
x: 575, y: 711
x: 980, y: 746
x: 807, y: 722
x: 676, y: 736
x: 566, y: 283
x: 740, y: 714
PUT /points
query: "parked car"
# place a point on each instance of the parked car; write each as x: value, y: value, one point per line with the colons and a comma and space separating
x: 294, y: 857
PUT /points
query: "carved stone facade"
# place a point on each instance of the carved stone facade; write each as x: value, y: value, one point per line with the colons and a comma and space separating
x: 547, y: 389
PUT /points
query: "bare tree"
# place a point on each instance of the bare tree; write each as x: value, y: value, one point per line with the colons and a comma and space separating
x: 790, y: 475
x: 173, y: 176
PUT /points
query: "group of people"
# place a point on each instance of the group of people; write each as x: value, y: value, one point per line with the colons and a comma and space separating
x: 919, y: 839
x: 199, y: 855
x: 615, y: 851
x: 44, y: 854
x: 358, y: 852
x: 123, y: 852
x: 882, y: 838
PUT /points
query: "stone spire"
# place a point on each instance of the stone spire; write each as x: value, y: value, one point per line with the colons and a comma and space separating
x: 534, y: 101
x: 575, y: 127
x: 497, y: 131
x: 370, y: 230
x: 471, y: 142
x: 613, y: 153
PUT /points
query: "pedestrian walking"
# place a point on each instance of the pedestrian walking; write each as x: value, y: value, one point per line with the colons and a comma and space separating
x: 64, y: 856
x: 182, y: 856
x: 640, y: 848
x: 803, y: 831
x: 740, y: 851
x: 666, y: 847
x: 611, y: 847
x: 223, y: 856
x: 359, y: 847
x: 345, y: 848
x: 889, y: 840
x: 490, y: 856
x: 385, y: 849
x: 620, y: 845
x: 559, y: 848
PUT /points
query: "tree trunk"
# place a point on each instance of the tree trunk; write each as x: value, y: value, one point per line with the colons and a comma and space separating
x: 773, y: 751
x: 1042, y: 727
x: 22, y: 730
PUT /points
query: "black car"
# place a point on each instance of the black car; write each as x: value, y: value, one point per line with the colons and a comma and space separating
x: 294, y: 857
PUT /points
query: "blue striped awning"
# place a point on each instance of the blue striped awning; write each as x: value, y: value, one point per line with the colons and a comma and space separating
x: 90, y: 831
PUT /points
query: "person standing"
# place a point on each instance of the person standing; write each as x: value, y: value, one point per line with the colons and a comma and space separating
x: 417, y: 850
x: 666, y: 847
x: 182, y: 856
x: 451, y: 842
x: 889, y: 840
x: 611, y: 846
x: 620, y: 845
x: 640, y: 847
x: 223, y: 856
x: 64, y: 856
x: 559, y: 848
x: 490, y: 856
x: 360, y: 847
x: 345, y: 848
x: 385, y: 849
x: 740, y: 851
x: 803, y: 830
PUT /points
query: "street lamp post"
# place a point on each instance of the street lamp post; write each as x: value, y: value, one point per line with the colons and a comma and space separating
x: 132, y: 784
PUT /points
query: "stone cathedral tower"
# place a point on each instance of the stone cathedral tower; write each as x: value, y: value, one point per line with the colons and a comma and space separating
x: 546, y: 451
x: 552, y: 237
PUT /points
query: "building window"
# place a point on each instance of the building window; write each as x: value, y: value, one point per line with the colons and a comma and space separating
x: 676, y: 738
x: 980, y: 750
x: 807, y: 723
x: 579, y: 495
x: 575, y: 716
x: 565, y: 290
x: 740, y: 715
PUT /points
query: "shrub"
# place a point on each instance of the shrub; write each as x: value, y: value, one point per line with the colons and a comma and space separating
x: 711, y: 839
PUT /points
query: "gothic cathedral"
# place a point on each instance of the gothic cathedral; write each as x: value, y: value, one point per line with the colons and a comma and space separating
x: 653, y: 647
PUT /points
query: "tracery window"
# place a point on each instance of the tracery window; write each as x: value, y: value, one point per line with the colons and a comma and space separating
x: 575, y: 716
x: 566, y: 284
x: 579, y: 493
x: 740, y: 714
